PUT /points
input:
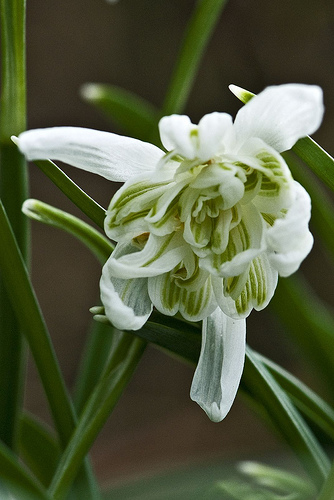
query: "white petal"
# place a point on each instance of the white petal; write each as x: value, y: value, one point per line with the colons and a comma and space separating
x: 289, y: 239
x: 220, y: 365
x: 211, y: 131
x: 253, y: 289
x: 126, y: 302
x: 175, y: 134
x: 113, y: 156
x: 280, y: 115
x: 159, y: 255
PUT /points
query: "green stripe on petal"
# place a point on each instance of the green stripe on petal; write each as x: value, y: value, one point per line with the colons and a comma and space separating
x: 159, y: 255
x: 196, y: 305
x: 259, y: 284
x: 245, y: 243
x: 164, y: 294
x: 132, y: 202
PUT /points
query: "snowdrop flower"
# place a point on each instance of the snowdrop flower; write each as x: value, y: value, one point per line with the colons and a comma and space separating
x: 205, y: 229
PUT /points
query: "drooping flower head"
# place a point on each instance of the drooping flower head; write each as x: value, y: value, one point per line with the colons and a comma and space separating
x: 203, y: 228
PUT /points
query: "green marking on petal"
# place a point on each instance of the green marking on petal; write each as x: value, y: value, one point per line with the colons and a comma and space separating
x: 255, y: 291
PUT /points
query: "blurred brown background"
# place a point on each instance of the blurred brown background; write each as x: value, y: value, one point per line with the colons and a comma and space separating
x: 134, y: 44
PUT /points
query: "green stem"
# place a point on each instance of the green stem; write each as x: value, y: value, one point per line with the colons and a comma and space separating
x: 327, y: 492
x: 197, y: 36
x: 117, y: 374
x: 13, y: 190
x: 25, y: 305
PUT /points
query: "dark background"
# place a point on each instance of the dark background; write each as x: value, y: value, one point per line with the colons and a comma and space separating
x: 134, y: 44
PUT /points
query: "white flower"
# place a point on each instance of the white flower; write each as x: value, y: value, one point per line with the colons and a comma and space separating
x: 204, y: 229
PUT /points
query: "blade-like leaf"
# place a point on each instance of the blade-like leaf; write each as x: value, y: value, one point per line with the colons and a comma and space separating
x: 261, y: 385
x: 39, y: 448
x: 105, y: 395
x: 196, y: 38
x: 99, y: 245
x: 306, y: 400
x: 30, y: 318
x: 317, y: 159
x: 309, y: 321
x: 16, y: 479
x: 136, y: 117
x: 81, y: 199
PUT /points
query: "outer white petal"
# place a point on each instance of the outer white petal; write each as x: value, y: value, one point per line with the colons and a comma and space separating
x: 289, y: 239
x: 175, y: 134
x: 280, y: 115
x: 220, y: 365
x: 126, y: 302
x: 113, y: 156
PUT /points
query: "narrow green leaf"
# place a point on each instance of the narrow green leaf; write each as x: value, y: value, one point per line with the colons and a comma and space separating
x: 13, y: 190
x: 81, y: 199
x: 16, y: 479
x: 317, y: 159
x: 136, y: 116
x: 311, y: 324
x: 327, y: 492
x: 39, y: 448
x: 13, y: 100
x: 99, y: 245
x: 261, y: 385
x: 196, y: 38
x: 116, y: 376
x: 100, y: 343
x: 28, y: 313
x: 306, y: 400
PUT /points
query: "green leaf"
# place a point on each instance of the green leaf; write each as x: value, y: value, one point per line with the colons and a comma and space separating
x: 196, y: 39
x: 99, y: 245
x: 81, y: 199
x: 13, y: 100
x: 306, y: 400
x: 29, y: 315
x: 309, y: 322
x: 317, y: 159
x: 327, y: 491
x: 137, y: 117
x: 104, y: 397
x: 262, y: 387
x: 13, y: 190
x: 39, y: 448
x: 101, y: 341
x: 16, y: 480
